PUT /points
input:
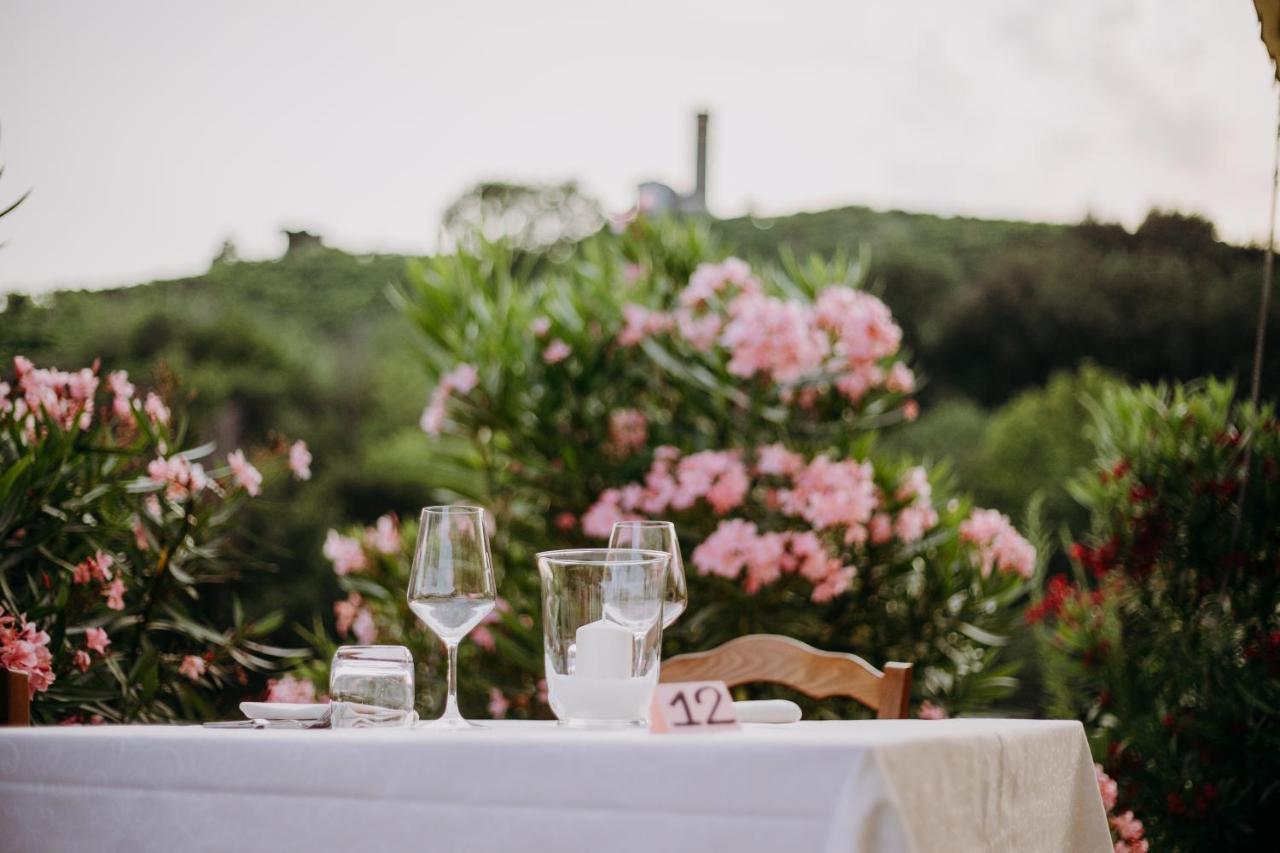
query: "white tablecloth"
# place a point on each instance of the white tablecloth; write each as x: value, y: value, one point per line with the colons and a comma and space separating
x: 882, y: 786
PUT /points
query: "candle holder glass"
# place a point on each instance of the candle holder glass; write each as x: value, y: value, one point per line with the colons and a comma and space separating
x: 602, y: 633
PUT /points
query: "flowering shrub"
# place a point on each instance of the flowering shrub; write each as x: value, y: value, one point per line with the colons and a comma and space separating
x: 500, y: 663
x: 111, y: 531
x: 1166, y: 643
x: 640, y: 377
x: 1126, y: 830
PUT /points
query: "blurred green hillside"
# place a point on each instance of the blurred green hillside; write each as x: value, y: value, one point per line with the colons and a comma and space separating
x: 1000, y: 316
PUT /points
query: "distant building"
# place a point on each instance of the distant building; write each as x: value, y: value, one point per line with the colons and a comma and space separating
x: 302, y: 242
x: 657, y: 197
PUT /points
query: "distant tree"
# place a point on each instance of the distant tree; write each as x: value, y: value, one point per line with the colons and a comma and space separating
x: 1173, y: 230
x: 1109, y: 236
x: 531, y: 217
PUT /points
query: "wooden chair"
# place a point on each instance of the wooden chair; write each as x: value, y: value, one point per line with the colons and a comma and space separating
x: 15, y: 702
x: 783, y: 660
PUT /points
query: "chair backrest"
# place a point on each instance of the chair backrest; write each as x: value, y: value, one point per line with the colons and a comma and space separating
x: 15, y: 701
x: 789, y: 662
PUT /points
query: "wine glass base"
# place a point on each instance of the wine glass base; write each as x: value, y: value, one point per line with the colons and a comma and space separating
x: 450, y: 724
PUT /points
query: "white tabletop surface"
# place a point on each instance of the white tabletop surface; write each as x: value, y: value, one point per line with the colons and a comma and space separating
x: 876, y: 785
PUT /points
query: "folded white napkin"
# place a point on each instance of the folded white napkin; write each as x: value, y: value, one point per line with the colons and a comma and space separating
x: 767, y: 711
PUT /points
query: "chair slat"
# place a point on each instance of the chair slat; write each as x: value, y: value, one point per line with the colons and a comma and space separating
x: 783, y: 660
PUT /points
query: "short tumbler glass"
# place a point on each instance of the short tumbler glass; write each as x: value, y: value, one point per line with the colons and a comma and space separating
x: 371, y: 686
x: 602, y: 632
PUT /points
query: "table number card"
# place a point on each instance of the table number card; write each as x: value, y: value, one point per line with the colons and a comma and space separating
x: 692, y: 706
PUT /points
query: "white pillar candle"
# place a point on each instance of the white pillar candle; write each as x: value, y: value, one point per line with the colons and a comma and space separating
x: 604, y: 650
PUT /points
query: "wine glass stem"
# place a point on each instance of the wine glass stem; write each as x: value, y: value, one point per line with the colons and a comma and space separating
x: 451, y: 711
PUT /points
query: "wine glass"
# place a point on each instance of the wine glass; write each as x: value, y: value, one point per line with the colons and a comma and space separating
x: 657, y: 536
x: 451, y: 587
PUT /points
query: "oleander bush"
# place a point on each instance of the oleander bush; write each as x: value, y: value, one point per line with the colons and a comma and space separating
x: 116, y: 546
x: 1166, y: 642
x: 647, y: 374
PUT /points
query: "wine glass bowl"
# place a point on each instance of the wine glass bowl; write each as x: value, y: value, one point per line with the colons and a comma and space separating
x: 451, y: 586
x: 657, y: 536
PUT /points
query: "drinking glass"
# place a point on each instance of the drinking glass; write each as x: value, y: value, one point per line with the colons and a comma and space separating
x: 657, y: 536
x: 371, y: 686
x: 602, y: 633
x: 451, y: 587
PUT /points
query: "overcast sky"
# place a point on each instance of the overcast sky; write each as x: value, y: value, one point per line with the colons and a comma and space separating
x: 152, y: 131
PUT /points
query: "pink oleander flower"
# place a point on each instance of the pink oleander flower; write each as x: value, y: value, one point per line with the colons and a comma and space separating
x: 24, y: 648
x: 1106, y: 787
x: 858, y: 380
x: 900, y: 379
x: 432, y: 421
x: 121, y: 388
x: 1139, y: 846
x: 835, y: 584
x: 700, y: 332
x: 155, y: 409
x: 556, y: 352
x: 96, y: 639
x: 300, y: 460
x: 181, y: 477
x: 598, y: 521
x: 6, y: 404
x: 567, y: 521
x: 880, y: 530
x: 829, y: 494
x: 776, y: 460
x: 384, y: 536
x: 483, y: 638
x: 710, y: 279
x: 345, y: 553
x: 462, y: 379
x: 997, y: 544
x: 540, y: 326
x: 725, y: 552
x: 914, y: 521
x: 717, y: 476
x: 81, y: 660
x: 114, y: 594
x: 364, y: 629
x: 498, y: 704
x: 1128, y: 827
x: 140, y: 534
x: 639, y: 323
x: 192, y: 667
x: 764, y: 561
x: 249, y: 478
x: 345, y: 612
x: 94, y: 568
x: 863, y: 325
x: 290, y: 689
x: 82, y: 385
x: 930, y: 711
x: 910, y: 411
x: 628, y: 431
x: 914, y: 485
x: 736, y: 545
x: 766, y: 335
